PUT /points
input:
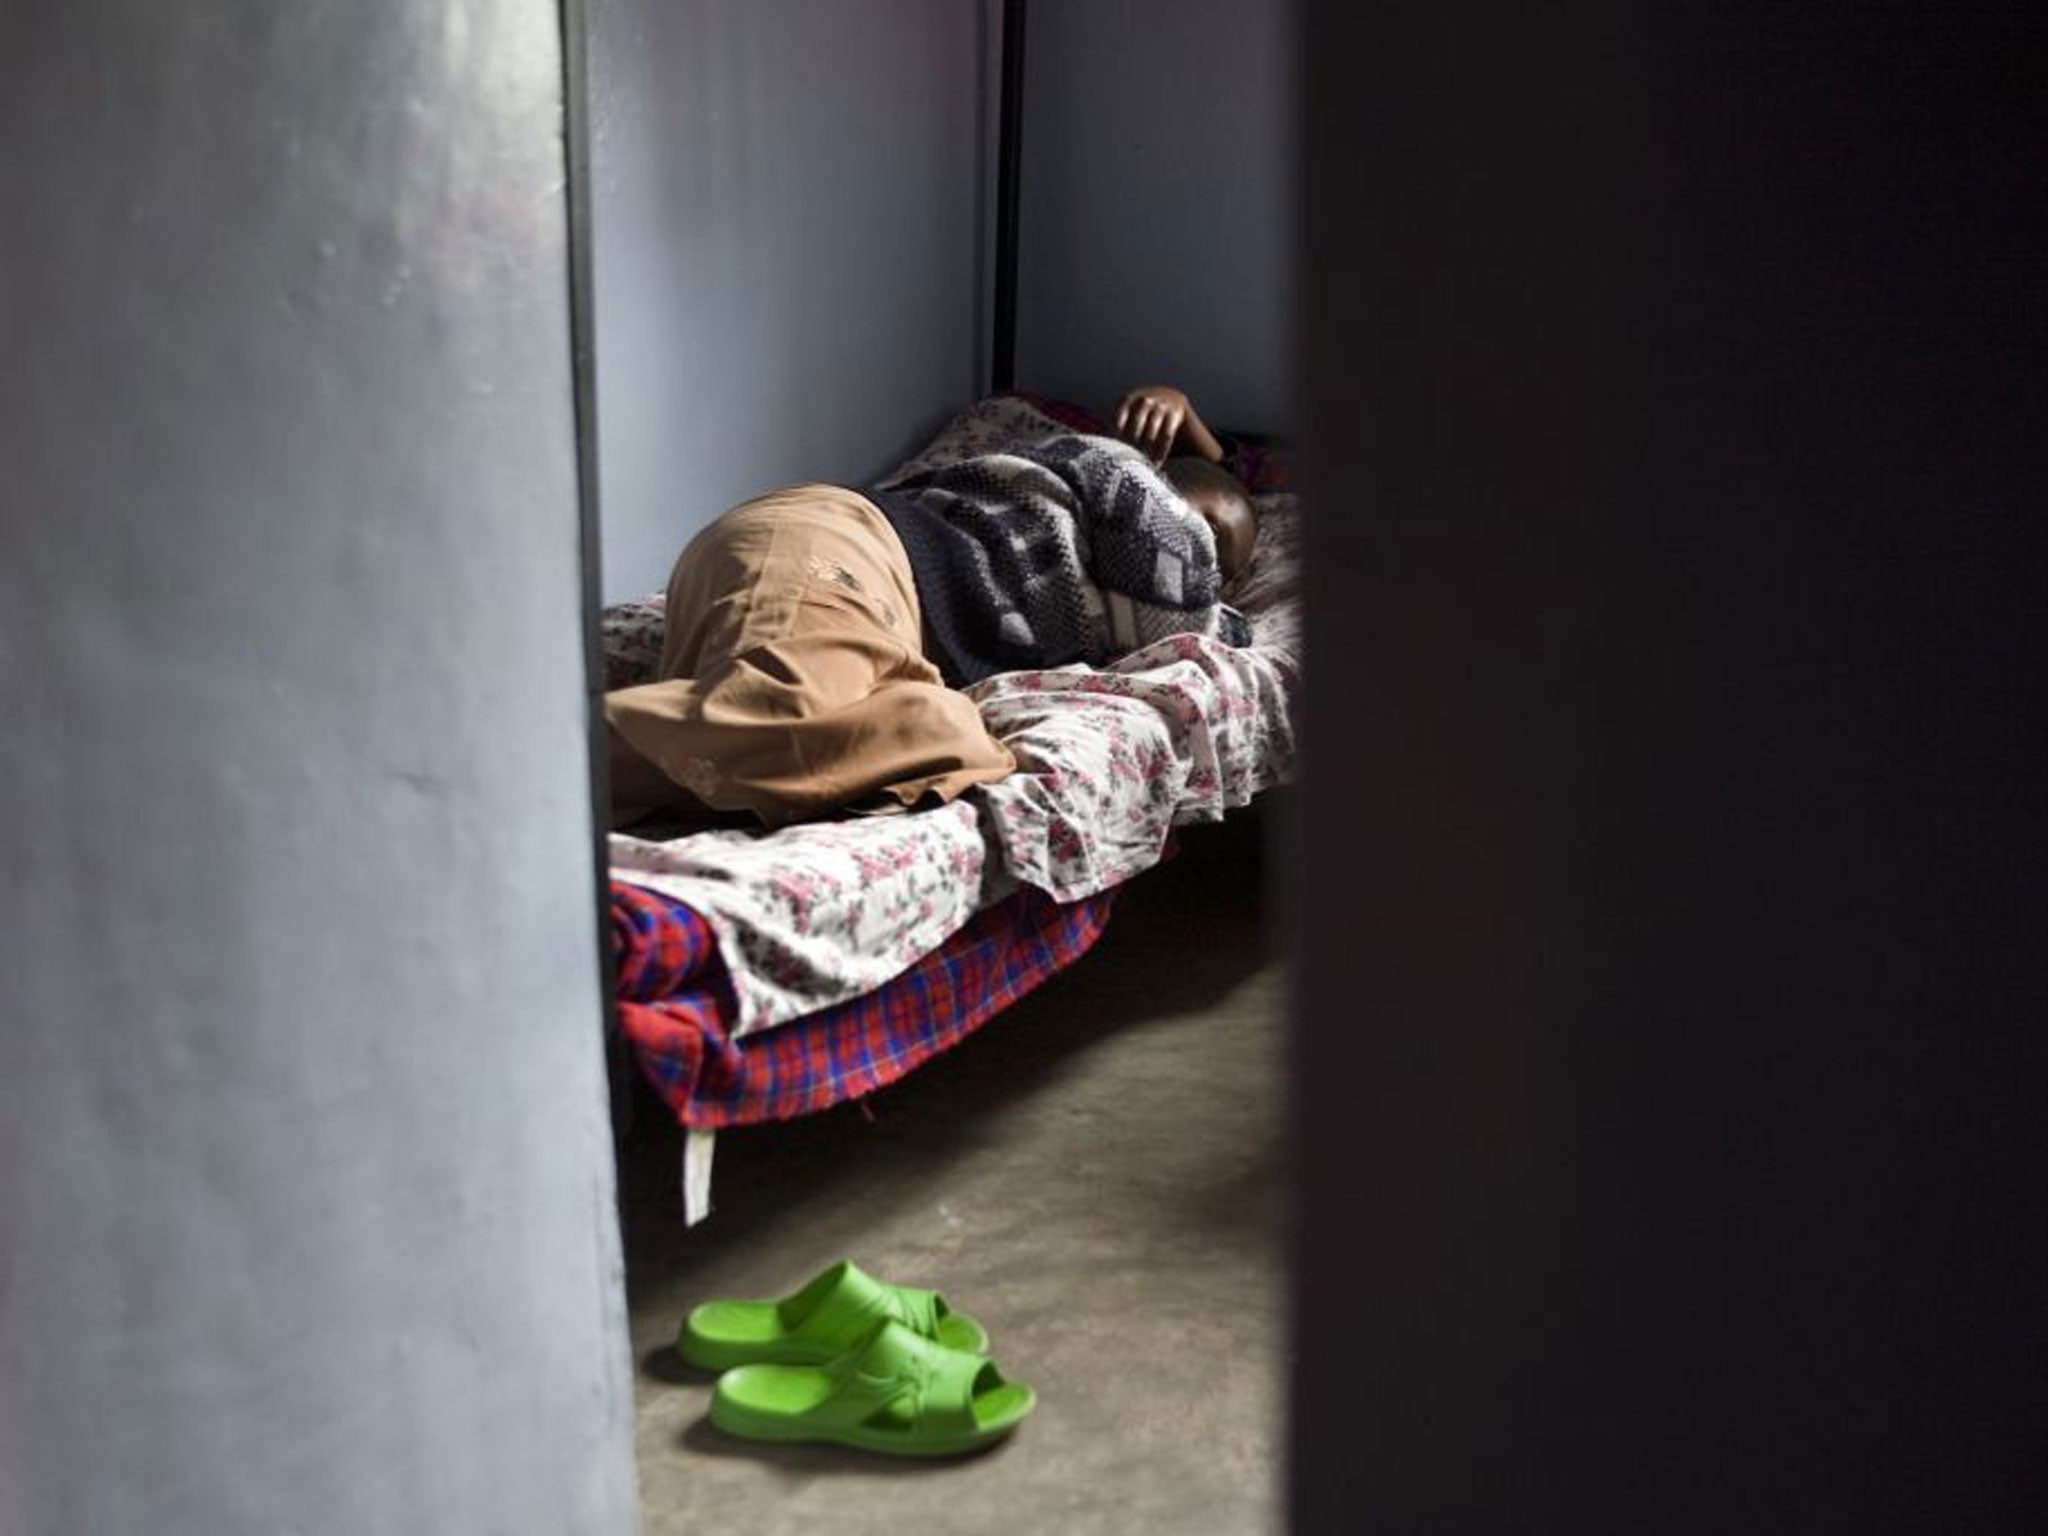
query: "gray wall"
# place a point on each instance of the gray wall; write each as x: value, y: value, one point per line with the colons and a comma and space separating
x: 787, y: 214
x: 306, y: 1215
x: 1155, y: 203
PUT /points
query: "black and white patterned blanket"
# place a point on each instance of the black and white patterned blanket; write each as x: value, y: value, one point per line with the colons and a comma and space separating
x: 1073, y: 549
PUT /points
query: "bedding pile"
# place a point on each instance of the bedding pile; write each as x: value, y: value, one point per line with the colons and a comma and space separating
x: 676, y: 1008
x: 816, y: 923
x: 826, y: 910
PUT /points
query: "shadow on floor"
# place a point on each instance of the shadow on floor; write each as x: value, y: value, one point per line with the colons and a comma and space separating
x: 703, y: 1438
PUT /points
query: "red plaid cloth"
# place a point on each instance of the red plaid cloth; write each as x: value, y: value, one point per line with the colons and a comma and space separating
x: 675, y: 1006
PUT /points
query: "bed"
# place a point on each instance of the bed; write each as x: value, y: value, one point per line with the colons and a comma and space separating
x: 761, y: 976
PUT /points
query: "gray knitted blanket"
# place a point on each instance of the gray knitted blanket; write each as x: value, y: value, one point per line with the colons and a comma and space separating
x: 1073, y: 550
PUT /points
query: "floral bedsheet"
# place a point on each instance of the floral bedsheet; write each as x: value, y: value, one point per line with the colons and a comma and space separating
x: 818, y: 913
x: 1109, y: 761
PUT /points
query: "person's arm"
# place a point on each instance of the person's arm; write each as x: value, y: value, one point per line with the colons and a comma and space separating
x: 1158, y: 420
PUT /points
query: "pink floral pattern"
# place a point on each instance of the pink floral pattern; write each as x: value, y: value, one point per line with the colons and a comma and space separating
x: 1110, y: 760
x: 815, y: 914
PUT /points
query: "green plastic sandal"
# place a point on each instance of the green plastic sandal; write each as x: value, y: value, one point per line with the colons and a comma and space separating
x: 835, y: 1312
x: 899, y: 1394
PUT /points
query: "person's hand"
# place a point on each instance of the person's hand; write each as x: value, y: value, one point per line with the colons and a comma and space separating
x: 1150, y: 417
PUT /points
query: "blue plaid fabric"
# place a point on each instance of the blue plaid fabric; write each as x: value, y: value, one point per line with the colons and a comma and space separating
x: 676, y: 1006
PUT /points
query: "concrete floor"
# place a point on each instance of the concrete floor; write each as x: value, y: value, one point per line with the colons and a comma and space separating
x: 1096, y: 1175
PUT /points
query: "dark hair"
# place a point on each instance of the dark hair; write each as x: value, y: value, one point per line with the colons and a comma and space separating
x: 1187, y: 473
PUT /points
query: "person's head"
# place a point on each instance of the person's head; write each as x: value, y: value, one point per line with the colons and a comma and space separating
x: 1214, y: 493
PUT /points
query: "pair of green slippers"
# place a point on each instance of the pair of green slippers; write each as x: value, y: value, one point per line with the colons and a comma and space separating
x: 852, y: 1360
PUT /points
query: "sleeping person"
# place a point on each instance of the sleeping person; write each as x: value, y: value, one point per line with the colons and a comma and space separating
x: 817, y: 636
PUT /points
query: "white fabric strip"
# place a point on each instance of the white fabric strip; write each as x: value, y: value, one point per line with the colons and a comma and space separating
x: 698, y: 1144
